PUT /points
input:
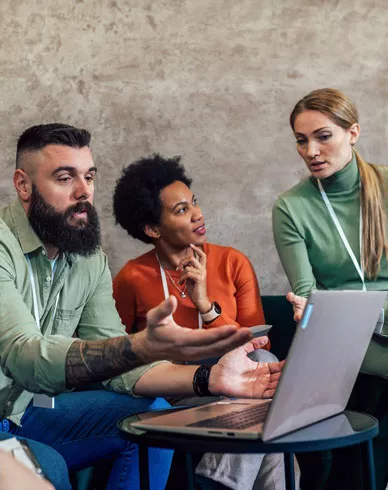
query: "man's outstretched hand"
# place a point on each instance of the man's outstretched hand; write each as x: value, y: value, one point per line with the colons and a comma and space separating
x: 164, y: 339
x: 238, y: 376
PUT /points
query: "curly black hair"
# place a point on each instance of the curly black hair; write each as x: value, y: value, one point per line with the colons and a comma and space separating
x: 136, y: 199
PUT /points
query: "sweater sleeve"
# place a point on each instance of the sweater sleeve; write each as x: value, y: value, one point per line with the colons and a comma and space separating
x: 247, y: 294
x: 291, y: 246
x: 124, y: 293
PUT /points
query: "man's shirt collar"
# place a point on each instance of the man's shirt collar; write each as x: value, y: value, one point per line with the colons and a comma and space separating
x: 28, y: 239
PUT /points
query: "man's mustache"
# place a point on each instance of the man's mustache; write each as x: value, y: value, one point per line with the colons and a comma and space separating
x: 80, y: 207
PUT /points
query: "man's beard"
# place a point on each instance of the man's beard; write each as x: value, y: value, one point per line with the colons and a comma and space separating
x: 53, y: 227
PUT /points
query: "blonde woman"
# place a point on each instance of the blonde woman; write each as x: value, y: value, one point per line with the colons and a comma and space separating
x: 330, y: 229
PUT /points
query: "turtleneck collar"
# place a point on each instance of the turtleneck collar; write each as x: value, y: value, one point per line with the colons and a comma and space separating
x: 342, y: 181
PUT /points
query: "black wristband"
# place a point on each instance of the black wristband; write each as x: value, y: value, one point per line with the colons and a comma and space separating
x: 201, y: 381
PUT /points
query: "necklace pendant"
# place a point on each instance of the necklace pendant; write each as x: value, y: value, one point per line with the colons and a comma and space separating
x: 183, y: 295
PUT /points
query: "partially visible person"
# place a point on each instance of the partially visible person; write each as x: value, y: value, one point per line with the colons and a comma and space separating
x: 50, y: 461
x: 214, y: 285
x: 15, y: 476
x: 60, y: 331
x: 330, y: 233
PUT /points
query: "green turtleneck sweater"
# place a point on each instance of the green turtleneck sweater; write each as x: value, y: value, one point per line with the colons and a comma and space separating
x: 311, y: 250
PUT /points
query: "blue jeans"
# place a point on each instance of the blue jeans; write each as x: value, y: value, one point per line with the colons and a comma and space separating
x: 82, y: 428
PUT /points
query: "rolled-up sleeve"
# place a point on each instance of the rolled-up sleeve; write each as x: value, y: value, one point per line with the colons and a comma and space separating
x: 127, y: 381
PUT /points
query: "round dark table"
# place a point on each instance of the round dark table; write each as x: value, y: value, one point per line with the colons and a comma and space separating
x: 346, y: 429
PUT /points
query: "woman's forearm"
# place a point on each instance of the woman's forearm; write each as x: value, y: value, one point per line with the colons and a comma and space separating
x: 166, y: 380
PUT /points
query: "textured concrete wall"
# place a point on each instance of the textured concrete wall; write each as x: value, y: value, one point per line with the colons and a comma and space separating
x: 213, y: 81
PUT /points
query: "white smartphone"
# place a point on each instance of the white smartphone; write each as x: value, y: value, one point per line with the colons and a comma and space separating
x: 260, y: 330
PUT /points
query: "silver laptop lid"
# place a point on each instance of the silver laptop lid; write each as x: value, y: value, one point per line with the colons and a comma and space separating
x: 317, y: 383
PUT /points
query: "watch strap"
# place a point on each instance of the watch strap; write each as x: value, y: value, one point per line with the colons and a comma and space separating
x: 212, y: 314
x: 201, y: 381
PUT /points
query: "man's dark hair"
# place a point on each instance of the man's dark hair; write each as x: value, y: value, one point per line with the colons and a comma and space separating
x: 37, y: 137
x: 136, y: 199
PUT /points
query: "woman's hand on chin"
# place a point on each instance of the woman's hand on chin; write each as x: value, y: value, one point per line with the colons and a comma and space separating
x: 194, y: 272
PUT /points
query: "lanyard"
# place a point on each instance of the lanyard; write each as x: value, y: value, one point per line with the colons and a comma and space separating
x: 341, y: 232
x: 34, y: 295
x: 41, y: 400
x: 360, y: 270
x: 167, y: 294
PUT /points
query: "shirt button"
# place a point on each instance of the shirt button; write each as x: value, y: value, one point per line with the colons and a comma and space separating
x: 9, y: 404
x: 48, y: 278
x: 43, y: 252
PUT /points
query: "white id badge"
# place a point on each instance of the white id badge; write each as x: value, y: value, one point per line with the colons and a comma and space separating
x: 43, y: 401
x: 380, y: 322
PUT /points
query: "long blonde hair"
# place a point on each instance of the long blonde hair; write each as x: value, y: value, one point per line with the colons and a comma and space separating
x: 342, y: 112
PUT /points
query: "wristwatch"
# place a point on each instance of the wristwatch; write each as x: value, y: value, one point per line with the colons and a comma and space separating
x: 212, y: 314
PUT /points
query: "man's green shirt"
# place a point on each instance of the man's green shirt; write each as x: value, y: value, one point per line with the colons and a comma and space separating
x: 33, y: 359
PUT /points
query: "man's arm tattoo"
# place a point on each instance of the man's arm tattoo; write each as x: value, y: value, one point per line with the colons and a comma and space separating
x: 97, y: 360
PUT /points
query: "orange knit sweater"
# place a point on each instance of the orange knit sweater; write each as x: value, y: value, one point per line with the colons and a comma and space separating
x: 231, y: 282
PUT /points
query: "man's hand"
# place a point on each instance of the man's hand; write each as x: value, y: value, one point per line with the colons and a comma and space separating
x: 298, y: 303
x: 98, y: 360
x: 237, y: 376
x: 164, y: 339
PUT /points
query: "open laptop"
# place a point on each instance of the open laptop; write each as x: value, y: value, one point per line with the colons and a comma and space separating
x: 322, y: 366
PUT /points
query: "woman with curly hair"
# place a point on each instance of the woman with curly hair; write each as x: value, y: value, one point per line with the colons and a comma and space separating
x: 214, y: 285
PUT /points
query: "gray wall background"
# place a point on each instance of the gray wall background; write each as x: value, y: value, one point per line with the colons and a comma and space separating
x: 213, y: 81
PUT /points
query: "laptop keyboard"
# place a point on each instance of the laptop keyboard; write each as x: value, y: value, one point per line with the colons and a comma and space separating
x: 241, y: 419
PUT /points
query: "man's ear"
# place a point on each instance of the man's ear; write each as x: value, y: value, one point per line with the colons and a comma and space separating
x: 152, y: 232
x: 23, y: 185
